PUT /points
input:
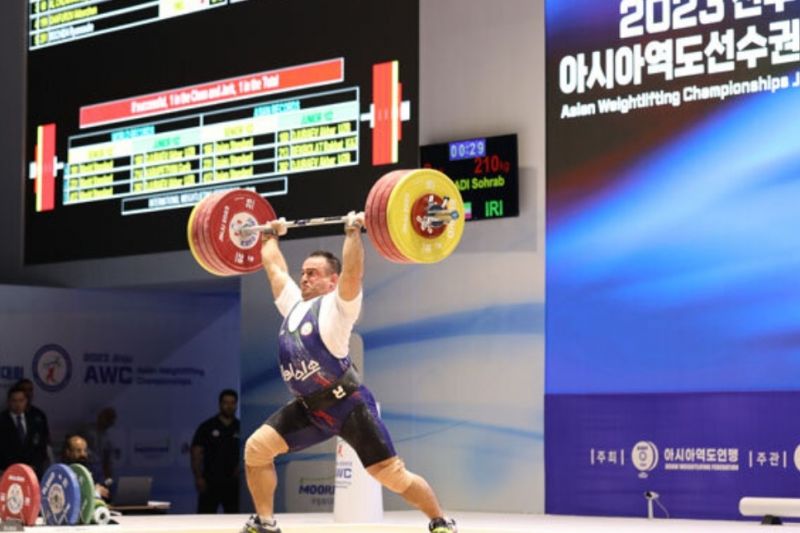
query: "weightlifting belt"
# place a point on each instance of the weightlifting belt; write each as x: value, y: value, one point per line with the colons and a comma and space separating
x: 340, y: 389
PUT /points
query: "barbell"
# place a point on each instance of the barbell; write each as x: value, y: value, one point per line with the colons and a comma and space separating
x: 411, y: 216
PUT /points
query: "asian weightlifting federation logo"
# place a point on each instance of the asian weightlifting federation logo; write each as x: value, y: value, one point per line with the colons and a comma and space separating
x: 52, y: 367
x: 644, y: 457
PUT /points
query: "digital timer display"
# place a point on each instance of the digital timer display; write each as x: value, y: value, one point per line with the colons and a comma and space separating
x: 467, y: 149
x: 485, y: 170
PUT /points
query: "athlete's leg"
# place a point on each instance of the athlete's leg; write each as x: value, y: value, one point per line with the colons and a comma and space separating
x: 366, y: 433
x: 259, y: 453
x: 288, y: 429
x: 392, y: 474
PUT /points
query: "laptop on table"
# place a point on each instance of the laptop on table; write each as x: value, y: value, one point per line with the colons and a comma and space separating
x: 132, y: 491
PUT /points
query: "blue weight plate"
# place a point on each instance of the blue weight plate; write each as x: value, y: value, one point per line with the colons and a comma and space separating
x: 61, y: 496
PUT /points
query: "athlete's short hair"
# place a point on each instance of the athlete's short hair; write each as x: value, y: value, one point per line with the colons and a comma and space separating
x: 334, y: 264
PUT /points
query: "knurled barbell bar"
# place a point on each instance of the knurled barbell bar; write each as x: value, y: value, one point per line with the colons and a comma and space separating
x: 412, y: 216
x: 434, y: 217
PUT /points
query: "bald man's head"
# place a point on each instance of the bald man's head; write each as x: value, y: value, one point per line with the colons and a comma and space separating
x: 75, y: 449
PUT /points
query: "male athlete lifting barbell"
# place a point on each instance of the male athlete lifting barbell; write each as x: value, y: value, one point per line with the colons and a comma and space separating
x: 412, y: 216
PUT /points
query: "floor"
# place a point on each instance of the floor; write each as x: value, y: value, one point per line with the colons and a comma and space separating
x: 412, y: 522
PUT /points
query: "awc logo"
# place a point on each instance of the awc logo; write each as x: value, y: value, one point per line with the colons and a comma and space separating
x: 52, y: 367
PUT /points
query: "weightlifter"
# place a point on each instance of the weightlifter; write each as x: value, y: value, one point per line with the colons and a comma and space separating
x: 329, y: 398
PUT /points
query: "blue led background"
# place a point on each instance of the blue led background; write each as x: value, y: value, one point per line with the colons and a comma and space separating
x: 672, y: 242
x: 672, y: 279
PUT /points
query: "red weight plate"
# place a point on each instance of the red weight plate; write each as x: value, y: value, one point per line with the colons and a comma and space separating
x: 234, y: 210
x: 200, y: 251
x: 375, y: 229
x: 371, y: 219
x: 209, y: 233
x: 239, y: 253
x: 384, y: 192
x: 206, y: 236
x: 383, y: 215
x: 20, y: 494
x: 193, y: 234
x: 383, y: 201
x: 372, y: 210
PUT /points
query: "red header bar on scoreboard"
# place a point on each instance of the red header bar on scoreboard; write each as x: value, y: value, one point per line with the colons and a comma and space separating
x: 249, y: 86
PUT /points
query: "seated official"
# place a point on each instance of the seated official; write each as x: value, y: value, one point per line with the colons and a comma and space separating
x: 76, y: 450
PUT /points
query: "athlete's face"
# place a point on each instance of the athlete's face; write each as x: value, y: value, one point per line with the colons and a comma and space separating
x: 317, y: 278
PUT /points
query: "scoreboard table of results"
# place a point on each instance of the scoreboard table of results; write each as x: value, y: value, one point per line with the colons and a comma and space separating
x: 258, y: 144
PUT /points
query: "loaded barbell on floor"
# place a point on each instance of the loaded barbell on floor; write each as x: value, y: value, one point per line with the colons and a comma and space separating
x: 412, y: 216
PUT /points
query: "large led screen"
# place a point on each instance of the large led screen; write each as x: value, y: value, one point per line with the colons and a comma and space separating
x: 137, y: 110
x: 673, y: 295
x: 672, y: 195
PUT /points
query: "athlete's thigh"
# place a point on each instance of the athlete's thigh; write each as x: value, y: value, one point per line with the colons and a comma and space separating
x: 293, y: 424
x: 364, y: 430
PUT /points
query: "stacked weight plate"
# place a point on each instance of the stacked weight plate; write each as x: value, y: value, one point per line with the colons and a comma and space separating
x: 396, y: 205
x: 397, y: 216
x: 65, y: 496
x: 214, y: 231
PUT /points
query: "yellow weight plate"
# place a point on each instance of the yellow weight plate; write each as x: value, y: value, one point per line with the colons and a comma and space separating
x: 405, y: 232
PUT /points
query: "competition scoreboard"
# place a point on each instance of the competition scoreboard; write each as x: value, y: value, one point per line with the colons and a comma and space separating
x: 485, y: 170
x: 124, y: 140
x: 159, y: 164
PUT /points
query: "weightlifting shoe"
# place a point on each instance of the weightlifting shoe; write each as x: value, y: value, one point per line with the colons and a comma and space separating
x: 442, y: 525
x: 255, y: 525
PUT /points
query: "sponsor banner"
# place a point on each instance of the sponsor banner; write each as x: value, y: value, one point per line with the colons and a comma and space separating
x: 358, y: 496
x: 309, y: 486
x: 700, y: 453
x: 154, y: 448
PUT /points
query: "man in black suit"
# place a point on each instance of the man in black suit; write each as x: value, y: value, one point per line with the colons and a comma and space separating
x: 23, y: 434
x: 27, y: 386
